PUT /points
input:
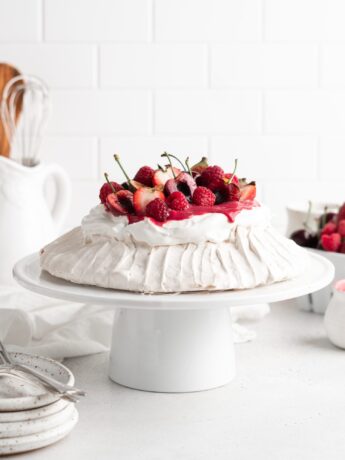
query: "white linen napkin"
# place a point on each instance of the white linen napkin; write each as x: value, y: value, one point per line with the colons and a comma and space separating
x: 60, y: 329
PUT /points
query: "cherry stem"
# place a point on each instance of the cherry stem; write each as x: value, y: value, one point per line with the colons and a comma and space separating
x: 306, y: 223
x: 111, y: 185
x: 161, y: 168
x: 165, y: 154
x: 177, y: 159
x: 324, y: 217
x: 117, y: 159
x: 188, y: 167
x: 233, y: 172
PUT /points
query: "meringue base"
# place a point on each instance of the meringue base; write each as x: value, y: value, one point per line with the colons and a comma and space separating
x: 252, y: 256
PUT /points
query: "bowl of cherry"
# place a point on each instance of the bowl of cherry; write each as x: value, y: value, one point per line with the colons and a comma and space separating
x: 323, y: 233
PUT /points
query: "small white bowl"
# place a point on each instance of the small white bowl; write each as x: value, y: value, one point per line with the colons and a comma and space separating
x: 297, y: 214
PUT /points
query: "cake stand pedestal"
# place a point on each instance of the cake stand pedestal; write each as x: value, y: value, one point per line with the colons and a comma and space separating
x: 172, y: 342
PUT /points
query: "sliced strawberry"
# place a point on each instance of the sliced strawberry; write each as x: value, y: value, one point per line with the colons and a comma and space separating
x: 160, y: 177
x: 248, y: 192
x: 142, y: 198
x: 120, y: 203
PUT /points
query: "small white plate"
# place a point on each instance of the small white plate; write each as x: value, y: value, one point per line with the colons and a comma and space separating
x: 19, y: 444
x: 26, y: 427
x: 17, y: 395
x: 33, y: 414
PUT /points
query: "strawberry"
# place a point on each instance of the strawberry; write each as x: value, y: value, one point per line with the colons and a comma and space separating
x: 142, y: 198
x: 120, y: 202
x: 161, y: 176
x: 329, y: 228
x: 248, y: 192
x: 107, y: 188
x: 145, y: 176
x: 177, y: 201
x: 203, y: 196
x: 331, y: 242
x: 341, y: 227
x: 158, y: 210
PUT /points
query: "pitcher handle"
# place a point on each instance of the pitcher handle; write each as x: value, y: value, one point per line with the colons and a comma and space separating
x: 63, y: 192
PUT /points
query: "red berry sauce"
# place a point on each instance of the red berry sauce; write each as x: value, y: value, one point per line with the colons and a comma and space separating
x: 230, y: 209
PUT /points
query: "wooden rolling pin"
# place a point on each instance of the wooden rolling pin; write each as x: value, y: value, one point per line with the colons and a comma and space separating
x: 7, y: 72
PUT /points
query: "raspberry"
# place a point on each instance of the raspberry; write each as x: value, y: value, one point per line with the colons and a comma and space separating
x: 331, y: 242
x: 177, y: 201
x: 329, y: 228
x: 145, y: 176
x: 212, y: 177
x: 202, y: 196
x: 158, y: 210
x: 341, y: 227
x: 106, y: 190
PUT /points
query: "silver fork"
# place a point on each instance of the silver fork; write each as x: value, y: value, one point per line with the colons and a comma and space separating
x: 66, y: 391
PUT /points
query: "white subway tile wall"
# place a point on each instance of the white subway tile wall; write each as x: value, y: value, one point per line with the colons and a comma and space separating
x: 261, y: 80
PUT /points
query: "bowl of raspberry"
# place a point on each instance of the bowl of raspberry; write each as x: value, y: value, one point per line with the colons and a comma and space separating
x: 327, y: 238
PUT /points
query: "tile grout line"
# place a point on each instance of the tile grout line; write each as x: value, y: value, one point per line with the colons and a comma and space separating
x: 153, y: 91
x: 97, y: 66
x: 42, y: 13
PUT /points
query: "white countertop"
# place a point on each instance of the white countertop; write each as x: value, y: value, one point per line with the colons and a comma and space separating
x: 287, y: 402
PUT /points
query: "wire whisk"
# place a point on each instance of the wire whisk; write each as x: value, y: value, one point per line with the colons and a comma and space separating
x: 25, y: 134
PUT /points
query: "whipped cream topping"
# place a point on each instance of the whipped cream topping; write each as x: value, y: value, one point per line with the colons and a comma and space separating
x: 214, y: 228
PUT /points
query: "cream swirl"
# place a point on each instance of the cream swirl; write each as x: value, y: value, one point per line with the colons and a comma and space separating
x: 214, y: 228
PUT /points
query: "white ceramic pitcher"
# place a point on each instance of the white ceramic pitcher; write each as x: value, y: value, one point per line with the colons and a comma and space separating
x: 26, y: 222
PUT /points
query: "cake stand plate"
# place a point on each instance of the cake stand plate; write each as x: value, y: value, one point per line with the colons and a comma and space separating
x: 172, y: 342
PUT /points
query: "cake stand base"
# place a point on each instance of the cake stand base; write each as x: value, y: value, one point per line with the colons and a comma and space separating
x: 172, y: 350
x: 172, y: 343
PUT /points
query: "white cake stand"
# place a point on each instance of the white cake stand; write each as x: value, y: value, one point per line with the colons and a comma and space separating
x: 172, y: 342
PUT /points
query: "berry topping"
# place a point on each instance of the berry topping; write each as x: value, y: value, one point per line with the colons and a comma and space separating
x: 198, y: 168
x: 162, y: 175
x: 248, y: 192
x: 107, y: 188
x: 158, y: 210
x: 142, y: 198
x: 171, y: 188
x: 231, y: 177
x: 331, y: 242
x: 228, y: 192
x: 203, y: 196
x: 212, y: 177
x: 145, y: 176
x: 120, y: 202
x: 177, y: 201
x: 184, y: 183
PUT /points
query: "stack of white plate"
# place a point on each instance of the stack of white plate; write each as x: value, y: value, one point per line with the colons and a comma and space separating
x: 30, y: 416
